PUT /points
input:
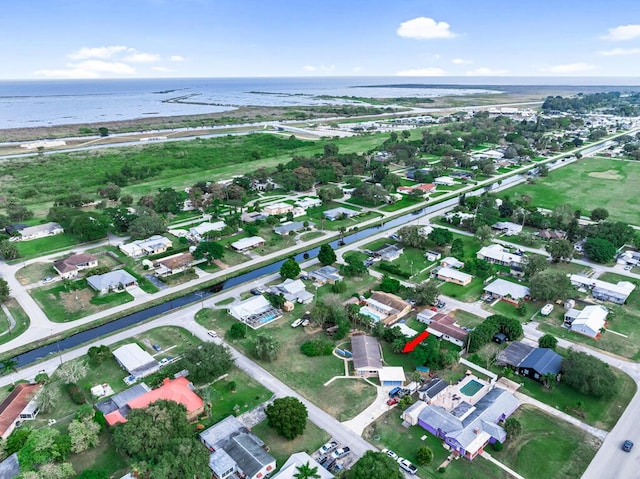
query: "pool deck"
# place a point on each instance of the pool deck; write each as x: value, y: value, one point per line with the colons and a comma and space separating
x: 452, y: 396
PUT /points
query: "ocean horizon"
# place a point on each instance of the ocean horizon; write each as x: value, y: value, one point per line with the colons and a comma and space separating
x: 38, y: 103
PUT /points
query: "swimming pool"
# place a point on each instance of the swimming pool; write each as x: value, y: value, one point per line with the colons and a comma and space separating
x: 471, y: 388
x: 367, y: 312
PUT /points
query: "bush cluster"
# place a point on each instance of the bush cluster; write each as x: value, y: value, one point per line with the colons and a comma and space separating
x: 75, y: 393
x: 317, y: 347
x: 394, y: 269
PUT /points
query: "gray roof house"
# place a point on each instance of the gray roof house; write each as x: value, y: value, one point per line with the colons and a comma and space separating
x: 295, y: 226
x: 389, y: 252
x: 118, y: 402
x: 531, y: 362
x: 117, y: 280
x: 9, y: 468
x: 336, y: 213
x: 508, y: 291
x: 367, y: 358
x: 293, y: 290
x: 466, y: 428
x: 326, y: 274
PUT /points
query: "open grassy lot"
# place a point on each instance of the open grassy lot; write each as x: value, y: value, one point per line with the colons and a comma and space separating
x: 104, y: 456
x: 469, y: 293
x: 42, y: 246
x: 281, y: 448
x: 69, y: 301
x: 316, y: 215
x: 405, y: 202
x: 587, y: 184
x: 465, y: 319
x: 547, y: 447
x: 306, y: 375
x: 387, y: 431
x: 21, y: 318
x: 34, y: 272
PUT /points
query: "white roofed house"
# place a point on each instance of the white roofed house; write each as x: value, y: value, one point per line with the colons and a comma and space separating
x: 444, y: 181
x: 309, y: 202
x: 40, y: 231
x: 199, y: 232
x: 451, y: 262
x: 255, y: 312
x: 155, y: 244
x: 498, y: 254
x: 337, y: 213
x: 135, y: 360
x: 326, y: 274
x: 291, y: 226
x: 118, y: 280
x: 245, y: 244
x: 451, y: 275
x: 293, y: 290
x: 282, y: 209
x: 588, y: 322
x: 603, y: 290
x: 507, y: 291
x: 507, y: 228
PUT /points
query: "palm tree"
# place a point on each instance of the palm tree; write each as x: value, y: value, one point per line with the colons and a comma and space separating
x: 305, y: 471
x: 8, y: 365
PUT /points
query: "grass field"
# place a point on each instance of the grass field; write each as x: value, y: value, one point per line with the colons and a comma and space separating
x: 588, y: 184
x: 21, y: 318
x: 42, y: 246
x: 34, y: 272
x: 547, y: 447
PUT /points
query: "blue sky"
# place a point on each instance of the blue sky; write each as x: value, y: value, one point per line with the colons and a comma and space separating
x: 44, y: 39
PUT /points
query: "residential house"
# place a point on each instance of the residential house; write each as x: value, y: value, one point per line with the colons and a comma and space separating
x: 255, y: 311
x: 29, y: 233
x: 588, y: 322
x: 507, y: 228
x: 444, y: 327
x: 547, y: 234
x: 430, y: 390
x: 432, y: 255
x: 458, y: 217
x: 411, y: 415
x: 389, y: 252
x: 236, y: 452
x: 69, y: 267
x: 451, y: 275
x: 367, y: 356
x: 155, y: 244
x: 118, y: 280
x: 245, y: 244
x: 466, y: 428
x: 451, y: 262
x: 289, y: 469
x: 252, y: 217
x: 174, y: 264
x: 14, y: 229
x: 385, y: 307
x: 444, y: 181
x: 19, y: 406
x: 293, y: 290
x: 267, y: 185
x: 498, y: 254
x: 603, y: 290
x: 282, y: 209
x: 197, y: 233
x: 325, y: 275
x: 534, y: 363
x: 291, y: 226
x: 507, y: 291
x: 337, y: 213
x: 118, y: 402
x: 136, y: 361
x: 629, y: 257
x: 309, y: 203
x: 178, y: 390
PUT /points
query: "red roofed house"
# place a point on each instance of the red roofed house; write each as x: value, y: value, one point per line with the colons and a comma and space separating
x: 68, y: 267
x: 177, y: 390
x: 425, y: 187
x: 444, y: 327
x: 18, y: 407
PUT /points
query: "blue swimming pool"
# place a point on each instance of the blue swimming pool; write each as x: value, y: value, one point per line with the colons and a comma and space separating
x: 367, y: 312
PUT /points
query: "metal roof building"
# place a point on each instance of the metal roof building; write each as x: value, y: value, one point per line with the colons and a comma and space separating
x: 136, y: 360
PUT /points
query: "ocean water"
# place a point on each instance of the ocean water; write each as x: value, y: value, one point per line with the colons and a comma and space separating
x: 56, y: 102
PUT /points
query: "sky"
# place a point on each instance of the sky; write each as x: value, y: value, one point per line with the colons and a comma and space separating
x: 62, y: 39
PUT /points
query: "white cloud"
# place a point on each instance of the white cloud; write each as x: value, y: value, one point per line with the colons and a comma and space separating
x: 578, y: 67
x: 619, y: 52
x: 422, y: 72
x: 75, y: 73
x: 309, y: 68
x: 461, y: 61
x: 623, y: 32
x: 356, y: 69
x: 161, y: 69
x: 98, y: 52
x: 321, y: 68
x: 422, y: 28
x: 176, y: 58
x: 88, y: 69
x: 484, y: 71
x: 140, y: 57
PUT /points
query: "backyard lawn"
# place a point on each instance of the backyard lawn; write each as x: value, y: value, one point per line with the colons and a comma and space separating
x: 49, y: 244
x: 469, y: 293
x: 547, y: 447
x: 587, y: 184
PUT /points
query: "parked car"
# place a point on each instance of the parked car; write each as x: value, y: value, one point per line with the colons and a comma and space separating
x: 441, y: 304
x: 213, y: 334
x: 342, y: 452
x: 46, y: 280
x: 391, y: 454
x: 407, y: 466
x: 393, y: 401
x: 394, y: 392
x: 627, y: 445
x: 628, y: 267
x: 156, y: 347
x: 296, y: 323
x: 328, y: 447
x: 256, y: 292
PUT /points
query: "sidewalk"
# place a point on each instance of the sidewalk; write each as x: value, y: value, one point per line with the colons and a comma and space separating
x: 509, y: 471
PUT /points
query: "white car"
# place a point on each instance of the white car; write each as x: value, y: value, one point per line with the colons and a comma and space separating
x: 328, y: 447
x: 213, y: 334
x: 391, y: 454
x: 407, y: 466
x: 296, y: 323
x: 46, y: 280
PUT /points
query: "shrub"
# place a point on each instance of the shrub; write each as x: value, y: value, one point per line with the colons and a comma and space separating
x: 394, y: 269
x: 497, y: 446
x: 317, y: 347
x: 231, y: 386
x: 75, y: 393
x: 237, y: 331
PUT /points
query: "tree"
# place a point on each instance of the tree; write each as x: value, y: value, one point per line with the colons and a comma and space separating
x: 288, y: 416
x: 560, y: 250
x: 5, y: 290
x: 599, y: 250
x: 47, y: 398
x: 266, y: 347
x: 8, y: 250
x: 457, y: 248
x: 328, y: 193
x: 146, y: 225
x: 543, y: 170
x: 389, y: 285
x: 441, y: 236
x: 93, y: 474
x: 535, y: 264
x: 426, y: 293
x: 326, y: 255
x: 84, y: 434
x: 110, y: 190
x: 424, y: 456
x: 483, y: 234
x: 209, y: 250
x: 599, y: 214
x: 374, y: 465
x: 588, y: 374
x: 305, y: 471
x: 550, y: 285
x: 99, y: 354
x: 513, y: 427
x: 71, y: 372
x: 8, y: 365
x: 18, y: 212
x: 50, y: 471
x: 548, y: 341
x: 354, y: 267
x: 489, y: 353
x: 40, y: 448
x: 237, y: 331
x: 207, y: 361
x: 103, y: 130
x: 290, y: 269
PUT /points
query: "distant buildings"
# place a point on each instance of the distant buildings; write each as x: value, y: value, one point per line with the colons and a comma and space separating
x: 498, y: 254
x: 23, y: 232
x: 588, y: 322
x: 603, y: 290
x: 282, y: 209
x: 337, y: 213
x: 324, y: 275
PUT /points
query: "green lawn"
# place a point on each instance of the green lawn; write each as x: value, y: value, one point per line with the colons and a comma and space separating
x: 387, y: 431
x: 547, y: 447
x: 145, y: 285
x: 21, y: 318
x: 405, y: 202
x: 587, y: 184
x: 281, y: 448
x: 465, y: 319
x: 34, y: 272
x: 42, y: 246
x: 469, y: 293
